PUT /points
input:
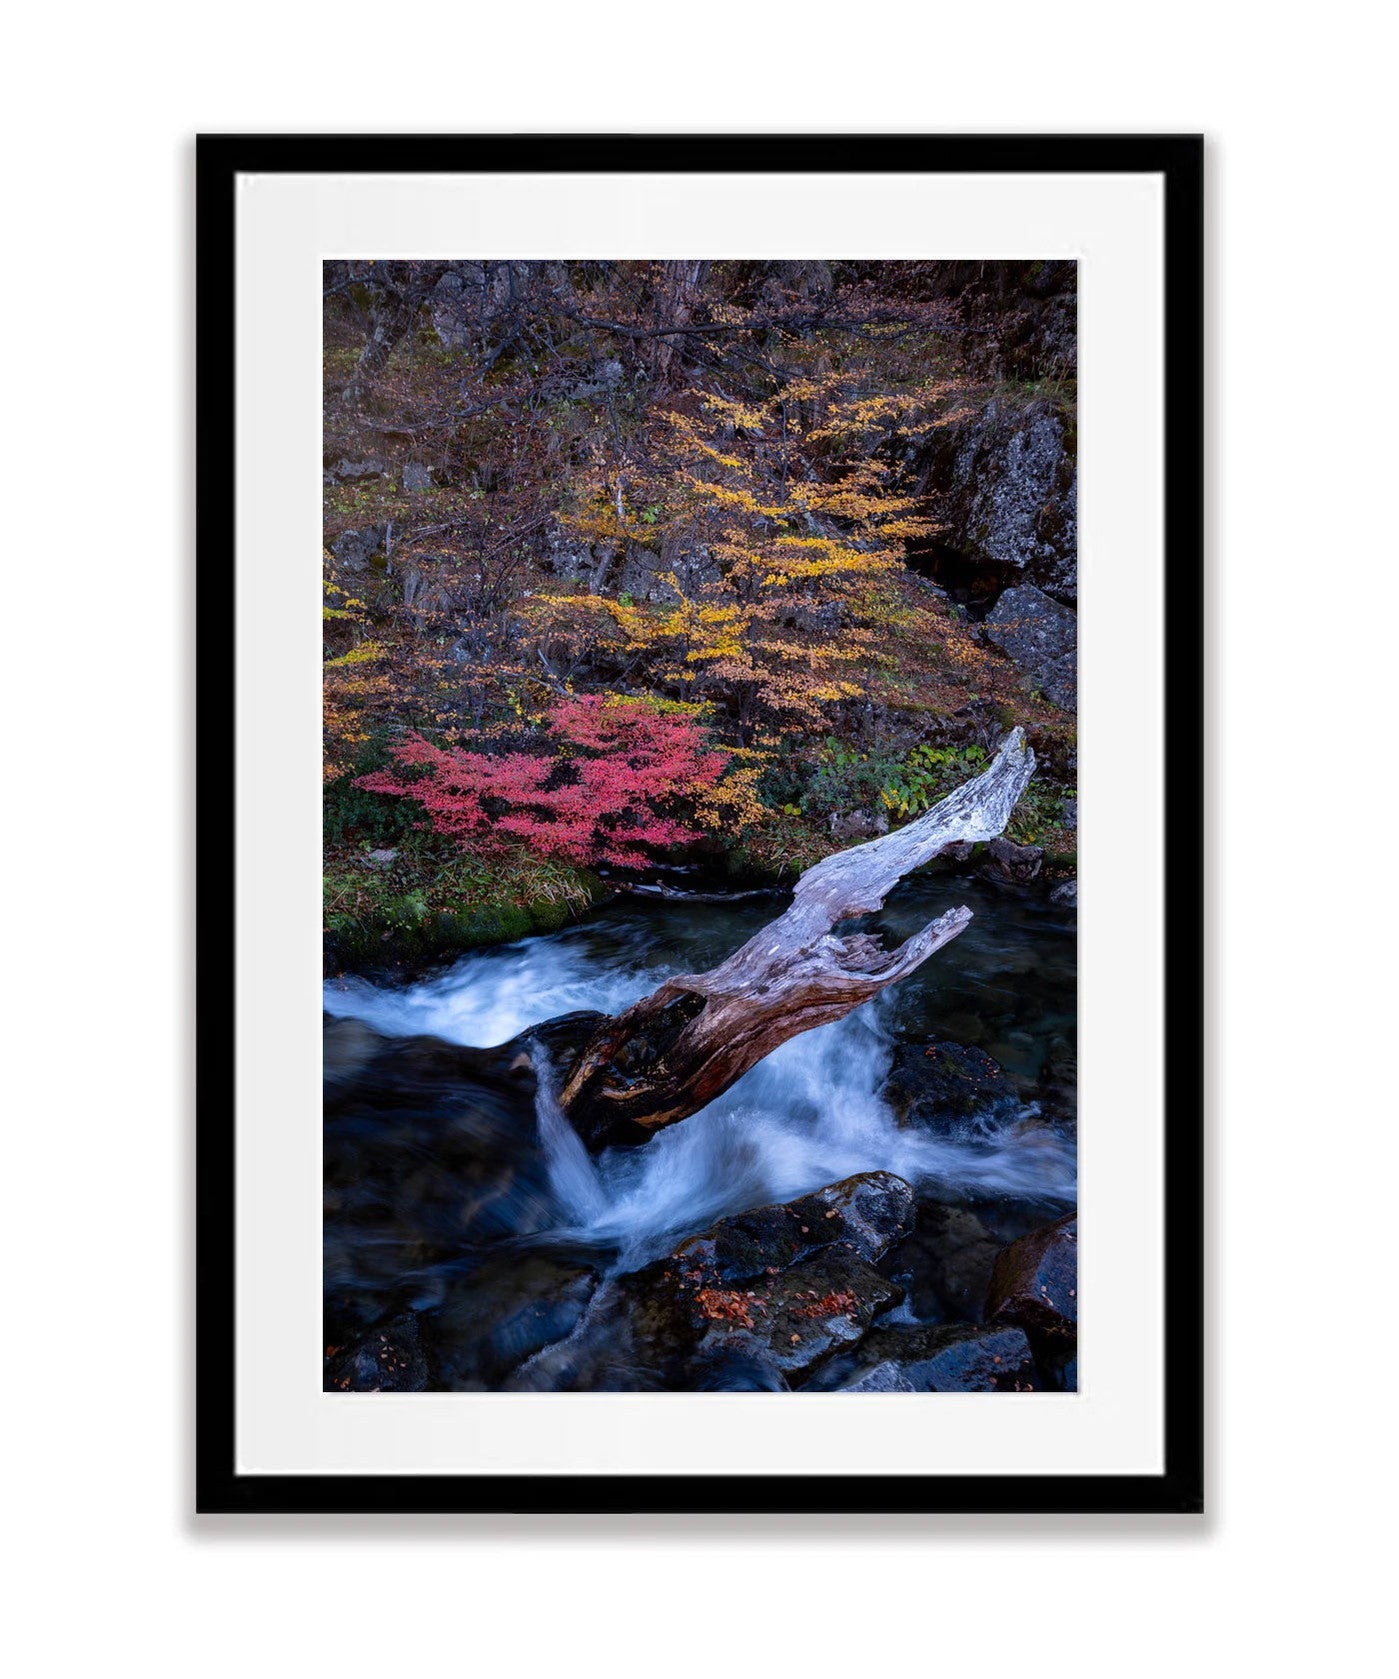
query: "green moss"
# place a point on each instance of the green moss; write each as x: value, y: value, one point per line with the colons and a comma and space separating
x: 420, y: 899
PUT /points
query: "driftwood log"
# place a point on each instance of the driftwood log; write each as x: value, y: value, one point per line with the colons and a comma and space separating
x: 668, y: 1055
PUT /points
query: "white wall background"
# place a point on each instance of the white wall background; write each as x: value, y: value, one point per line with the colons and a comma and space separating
x: 1285, y: 1574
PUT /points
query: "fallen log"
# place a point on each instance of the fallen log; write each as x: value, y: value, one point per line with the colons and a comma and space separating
x: 668, y: 1055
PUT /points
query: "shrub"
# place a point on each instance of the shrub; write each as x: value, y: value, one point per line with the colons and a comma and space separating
x: 611, y: 784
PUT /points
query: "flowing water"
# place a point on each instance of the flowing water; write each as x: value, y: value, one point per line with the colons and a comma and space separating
x: 812, y: 1112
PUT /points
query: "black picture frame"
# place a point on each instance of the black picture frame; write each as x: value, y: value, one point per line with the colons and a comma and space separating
x: 1178, y: 160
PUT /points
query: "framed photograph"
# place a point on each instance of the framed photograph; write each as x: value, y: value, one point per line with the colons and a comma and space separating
x: 700, y: 710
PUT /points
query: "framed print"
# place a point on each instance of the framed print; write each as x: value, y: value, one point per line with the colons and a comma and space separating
x: 711, y: 991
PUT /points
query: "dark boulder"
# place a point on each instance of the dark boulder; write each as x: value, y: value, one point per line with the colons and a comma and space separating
x: 792, y: 1321
x: 1058, y: 1083
x: 510, y: 1306
x: 429, y: 1148
x: 1034, y: 1285
x: 944, y: 1266
x: 883, y: 1378
x: 1017, y: 865
x: 562, y: 1039
x: 947, y: 1087
x: 389, y: 1359
x: 1007, y: 492
x: 865, y: 1214
x: 942, y: 1358
x: 1063, y: 1377
x: 1040, y: 636
x: 759, y: 1299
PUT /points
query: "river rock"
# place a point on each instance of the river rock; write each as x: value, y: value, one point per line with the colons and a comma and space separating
x: 389, y: 1359
x: 944, y: 1266
x: 944, y: 1087
x: 943, y: 1358
x: 1015, y: 864
x: 1058, y: 1083
x: 758, y: 1300
x: 428, y: 1148
x: 790, y: 1322
x: 865, y: 1214
x: 1063, y: 1378
x: 1034, y: 1285
x: 1065, y: 894
x: 884, y: 1378
x: 1041, y: 636
x: 562, y: 1040
x: 513, y: 1304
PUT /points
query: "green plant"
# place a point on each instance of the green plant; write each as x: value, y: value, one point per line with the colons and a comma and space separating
x: 926, y: 775
x: 1038, y: 817
x: 846, y: 780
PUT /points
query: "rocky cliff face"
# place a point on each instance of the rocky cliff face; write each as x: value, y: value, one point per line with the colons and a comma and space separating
x: 1004, y: 480
x: 1006, y: 488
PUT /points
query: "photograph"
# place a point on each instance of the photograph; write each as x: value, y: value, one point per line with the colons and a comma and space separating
x: 700, y: 826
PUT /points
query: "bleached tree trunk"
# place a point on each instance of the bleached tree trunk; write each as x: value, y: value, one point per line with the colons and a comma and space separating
x: 676, y: 1050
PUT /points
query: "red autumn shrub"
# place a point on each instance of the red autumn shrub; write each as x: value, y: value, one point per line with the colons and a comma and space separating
x: 607, y: 791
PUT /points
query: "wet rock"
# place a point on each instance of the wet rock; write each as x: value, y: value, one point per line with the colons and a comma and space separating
x: 389, y: 1359
x: 1040, y: 636
x: 1063, y: 1378
x: 944, y: 1087
x: 762, y: 1297
x: 943, y: 1358
x: 945, y: 1265
x: 732, y: 1370
x: 347, y: 1046
x: 504, y: 1311
x: 884, y: 1378
x: 1065, y: 894
x: 1015, y: 864
x: 355, y: 550
x: 1058, y: 1083
x: 1034, y: 1286
x: 562, y: 1040
x: 428, y: 1147
x: 794, y: 1320
x: 630, y: 1339
x: 865, y: 1214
